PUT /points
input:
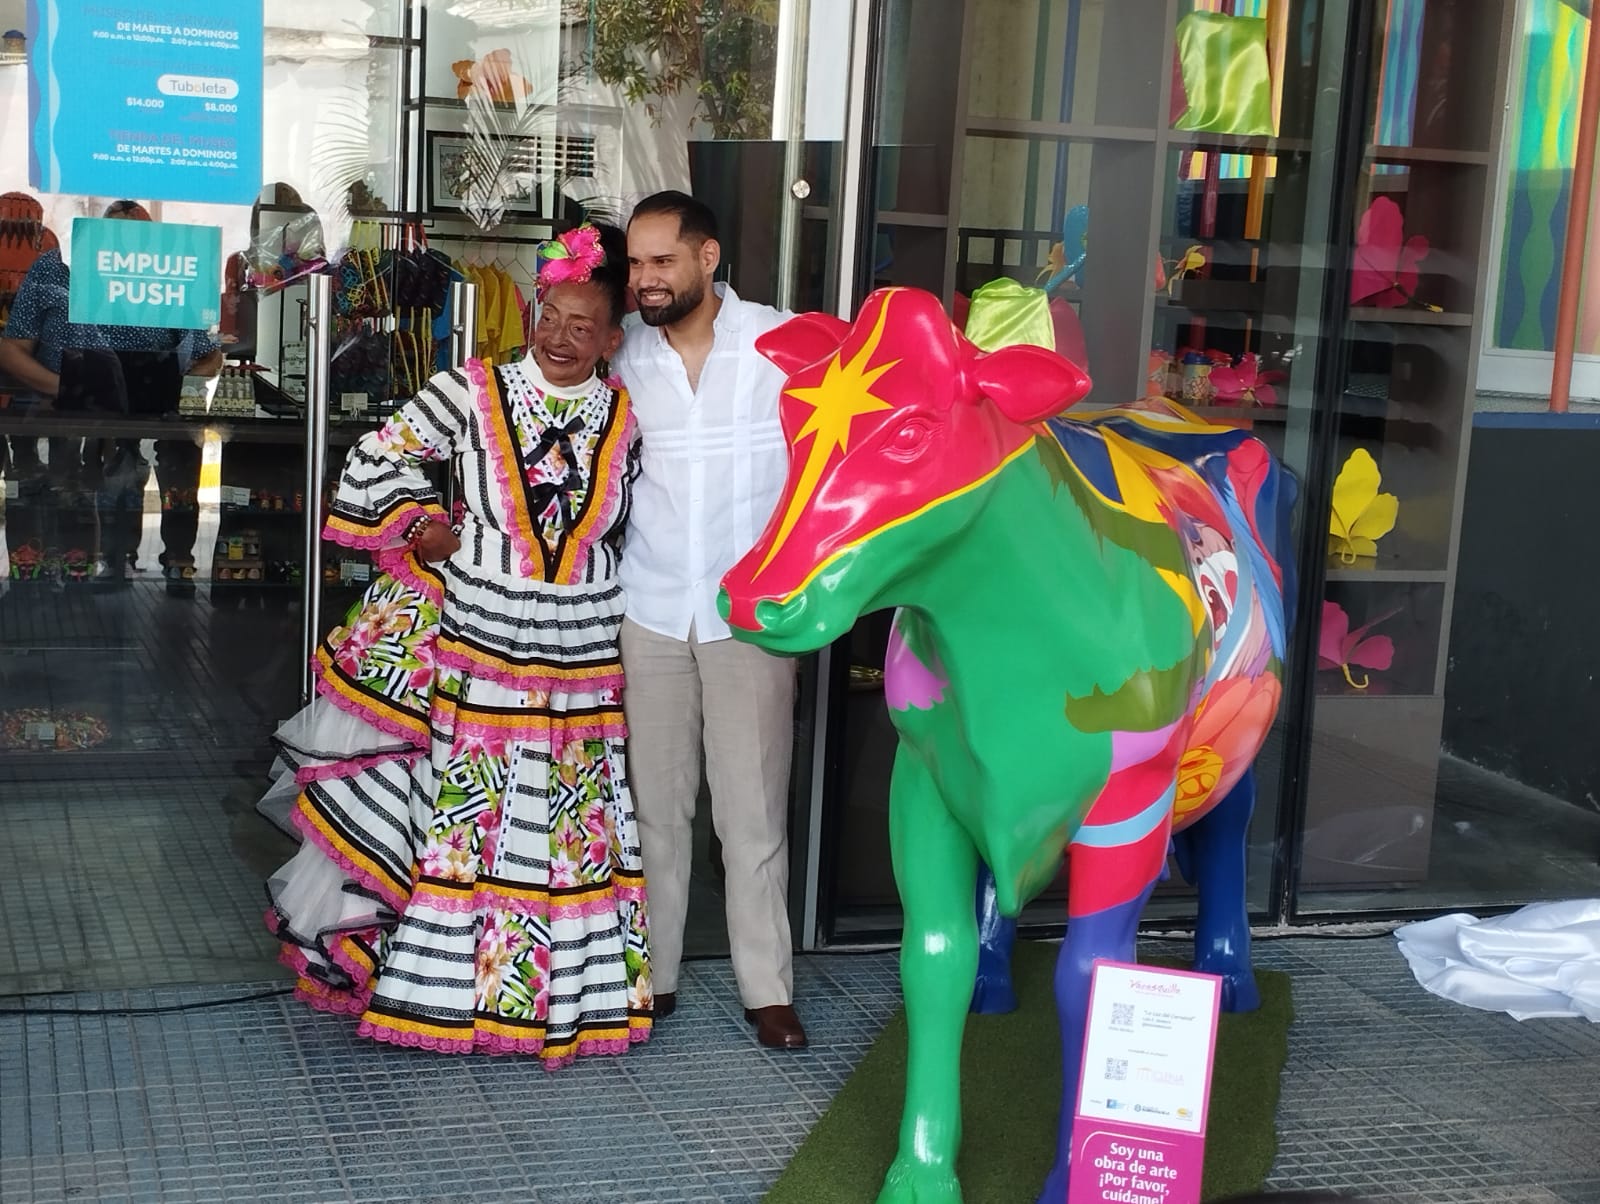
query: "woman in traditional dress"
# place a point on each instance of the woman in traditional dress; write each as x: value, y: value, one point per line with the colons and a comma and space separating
x: 469, y: 877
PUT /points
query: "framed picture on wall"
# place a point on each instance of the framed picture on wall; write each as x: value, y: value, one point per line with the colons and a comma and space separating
x: 454, y: 165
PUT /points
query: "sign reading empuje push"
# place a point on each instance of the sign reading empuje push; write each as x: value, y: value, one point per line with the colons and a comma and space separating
x: 1139, y: 1130
x: 145, y: 274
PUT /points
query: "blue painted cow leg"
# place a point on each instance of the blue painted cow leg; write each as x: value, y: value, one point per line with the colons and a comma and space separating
x: 1222, y: 935
x: 997, y: 934
x: 1112, y: 934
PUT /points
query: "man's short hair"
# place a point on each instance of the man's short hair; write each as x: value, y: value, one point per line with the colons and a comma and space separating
x: 696, y: 222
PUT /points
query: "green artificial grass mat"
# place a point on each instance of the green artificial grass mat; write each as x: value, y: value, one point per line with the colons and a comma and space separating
x: 1011, y: 1095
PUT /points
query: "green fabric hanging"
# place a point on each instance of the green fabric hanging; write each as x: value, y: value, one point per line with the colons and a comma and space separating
x: 1225, y: 74
x: 1005, y: 313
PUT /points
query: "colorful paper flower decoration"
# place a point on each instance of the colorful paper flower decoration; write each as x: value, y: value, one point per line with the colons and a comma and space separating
x: 1194, y: 261
x: 1339, y: 648
x: 1361, y: 515
x: 1245, y: 383
x: 1386, y: 262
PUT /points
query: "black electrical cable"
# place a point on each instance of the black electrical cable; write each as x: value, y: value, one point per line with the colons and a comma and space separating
x: 275, y: 993
x: 866, y: 951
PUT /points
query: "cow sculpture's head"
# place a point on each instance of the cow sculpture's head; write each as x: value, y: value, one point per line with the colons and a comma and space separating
x: 891, y: 423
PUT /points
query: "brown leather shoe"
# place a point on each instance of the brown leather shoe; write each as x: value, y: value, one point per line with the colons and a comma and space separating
x: 665, y: 1004
x: 777, y: 1027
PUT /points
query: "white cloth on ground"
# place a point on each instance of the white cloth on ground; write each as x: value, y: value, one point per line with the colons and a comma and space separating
x: 1540, y: 962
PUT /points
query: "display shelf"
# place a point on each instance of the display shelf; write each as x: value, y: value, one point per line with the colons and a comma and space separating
x: 1410, y: 391
x: 1378, y: 316
x: 895, y: 217
x: 1384, y: 575
x: 1237, y: 144
x: 1406, y: 156
x: 1057, y: 131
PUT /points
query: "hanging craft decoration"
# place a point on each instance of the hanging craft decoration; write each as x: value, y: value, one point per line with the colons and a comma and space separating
x: 1361, y: 515
x: 1245, y: 384
x: 1227, y: 82
x: 1386, y: 261
x: 1339, y: 648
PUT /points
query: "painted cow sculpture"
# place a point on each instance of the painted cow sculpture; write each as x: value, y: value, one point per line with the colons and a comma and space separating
x: 1086, y: 658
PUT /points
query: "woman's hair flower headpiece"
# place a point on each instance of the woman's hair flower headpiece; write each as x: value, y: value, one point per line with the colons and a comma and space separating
x: 570, y: 257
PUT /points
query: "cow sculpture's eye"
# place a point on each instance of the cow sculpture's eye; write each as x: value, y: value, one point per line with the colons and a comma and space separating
x: 910, y: 439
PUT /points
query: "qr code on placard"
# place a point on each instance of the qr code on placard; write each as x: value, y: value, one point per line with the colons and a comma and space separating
x: 1116, y: 1069
x: 1121, y: 1014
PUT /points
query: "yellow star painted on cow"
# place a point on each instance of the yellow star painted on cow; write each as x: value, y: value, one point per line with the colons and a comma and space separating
x: 844, y: 395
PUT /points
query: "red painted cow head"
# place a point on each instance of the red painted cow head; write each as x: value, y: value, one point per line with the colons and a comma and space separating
x: 894, y: 423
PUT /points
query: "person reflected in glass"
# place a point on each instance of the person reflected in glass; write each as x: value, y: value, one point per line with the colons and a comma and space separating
x: 470, y: 876
x: 93, y: 370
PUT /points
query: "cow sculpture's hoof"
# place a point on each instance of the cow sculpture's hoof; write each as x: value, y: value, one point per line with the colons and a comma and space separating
x: 993, y: 996
x: 1055, y: 1185
x: 911, y: 1182
x: 1239, y: 991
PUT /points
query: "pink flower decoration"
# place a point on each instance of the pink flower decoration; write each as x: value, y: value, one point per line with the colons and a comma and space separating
x: 1245, y: 384
x: 1338, y: 647
x: 571, y: 257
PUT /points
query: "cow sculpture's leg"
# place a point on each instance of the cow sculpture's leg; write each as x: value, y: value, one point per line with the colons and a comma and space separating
x: 997, y: 934
x: 935, y: 867
x: 1216, y: 857
x: 1107, y: 891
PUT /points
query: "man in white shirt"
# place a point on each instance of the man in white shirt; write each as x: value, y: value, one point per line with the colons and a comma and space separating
x: 712, y: 470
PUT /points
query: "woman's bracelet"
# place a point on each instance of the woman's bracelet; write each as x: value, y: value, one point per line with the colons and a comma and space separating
x: 416, y: 527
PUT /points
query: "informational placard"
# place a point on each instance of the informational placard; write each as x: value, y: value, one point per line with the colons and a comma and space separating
x: 128, y: 273
x: 1139, y: 1130
x: 157, y: 100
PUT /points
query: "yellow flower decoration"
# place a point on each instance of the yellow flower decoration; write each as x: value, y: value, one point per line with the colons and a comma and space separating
x: 1361, y: 515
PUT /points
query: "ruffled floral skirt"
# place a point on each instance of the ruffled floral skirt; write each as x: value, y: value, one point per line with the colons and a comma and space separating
x: 469, y: 876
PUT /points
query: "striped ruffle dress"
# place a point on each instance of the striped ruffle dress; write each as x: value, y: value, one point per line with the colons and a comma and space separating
x: 469, y: 875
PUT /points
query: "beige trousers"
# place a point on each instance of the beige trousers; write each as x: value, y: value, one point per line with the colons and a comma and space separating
x: 739, y: 701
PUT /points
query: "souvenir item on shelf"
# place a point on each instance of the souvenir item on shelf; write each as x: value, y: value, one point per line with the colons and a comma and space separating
x: 1197, y: 387
x: 491, y: 78
x: 1339, y: 648
x: 1106, y: 594
x: 1162, y: 378
x: 1227, y: 82
x: 1066, y: 258
x: 1361, y: 515
x: 27, y: 562
x: 1386, y: 261
x: 76, y: 565
x: 1245, y: 383
x: 41, y: 729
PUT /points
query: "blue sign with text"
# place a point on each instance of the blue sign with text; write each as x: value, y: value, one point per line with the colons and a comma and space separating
x: 157, y: 99
x: 145, y: 274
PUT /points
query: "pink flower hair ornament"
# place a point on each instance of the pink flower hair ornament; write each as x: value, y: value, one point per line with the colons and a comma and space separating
x: 569, y: 258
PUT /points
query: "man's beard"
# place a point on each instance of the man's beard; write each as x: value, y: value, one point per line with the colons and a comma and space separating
x: 680, y: 307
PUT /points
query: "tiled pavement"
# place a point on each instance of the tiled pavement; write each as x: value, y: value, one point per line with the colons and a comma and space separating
x: 1388, y: 1092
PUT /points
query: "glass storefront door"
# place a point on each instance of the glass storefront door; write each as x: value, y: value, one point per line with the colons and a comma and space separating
x: 162, y: 576
x: 156, y: 521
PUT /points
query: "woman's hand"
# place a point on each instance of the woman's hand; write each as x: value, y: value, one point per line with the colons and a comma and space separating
x: 436, y: 542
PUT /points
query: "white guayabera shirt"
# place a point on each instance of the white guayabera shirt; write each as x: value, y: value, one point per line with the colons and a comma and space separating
x: 713, y: 467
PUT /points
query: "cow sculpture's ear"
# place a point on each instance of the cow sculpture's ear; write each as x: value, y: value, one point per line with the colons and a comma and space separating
x: 803, y: 340
x: 1029, y: 384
